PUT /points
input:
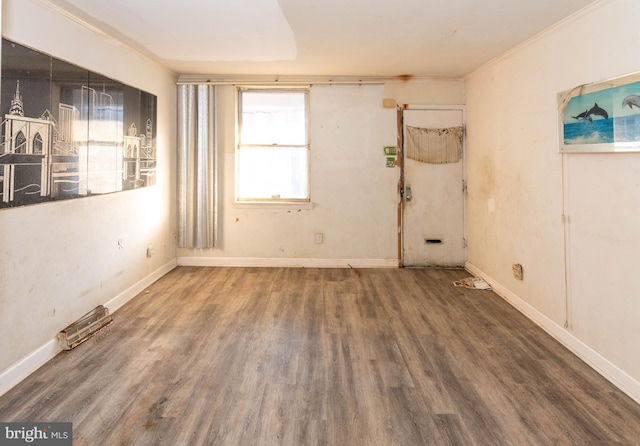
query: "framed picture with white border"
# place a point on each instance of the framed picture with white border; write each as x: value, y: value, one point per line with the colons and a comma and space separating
x: 601, y: 117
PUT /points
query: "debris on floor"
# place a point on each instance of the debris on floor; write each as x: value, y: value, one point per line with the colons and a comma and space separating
x: 474, y: 283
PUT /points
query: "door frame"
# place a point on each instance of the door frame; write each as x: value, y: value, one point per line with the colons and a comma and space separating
x: 400, y: 163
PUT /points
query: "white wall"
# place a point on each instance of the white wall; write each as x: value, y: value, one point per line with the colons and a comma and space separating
x: 426, y: 91
x: 519, y: 187
x: 354, y: 195
x: 59, y: 260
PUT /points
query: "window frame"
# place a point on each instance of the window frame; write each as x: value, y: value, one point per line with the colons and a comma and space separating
x: 270, y: 200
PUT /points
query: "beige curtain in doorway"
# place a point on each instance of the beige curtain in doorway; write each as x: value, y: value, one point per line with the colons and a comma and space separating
x: 197, y: 179
x: 434, y: 146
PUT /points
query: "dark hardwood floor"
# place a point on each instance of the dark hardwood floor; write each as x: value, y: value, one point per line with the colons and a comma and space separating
x: 248, y: 356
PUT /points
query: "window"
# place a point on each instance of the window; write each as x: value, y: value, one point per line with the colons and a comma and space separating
x: 272, y: 159
x: 37, y: 144
x: 20, y: 143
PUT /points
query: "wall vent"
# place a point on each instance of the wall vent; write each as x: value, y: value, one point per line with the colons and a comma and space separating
x: 85, y: 327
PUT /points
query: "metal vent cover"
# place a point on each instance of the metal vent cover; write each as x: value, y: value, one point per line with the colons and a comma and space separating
x: 85, y: 327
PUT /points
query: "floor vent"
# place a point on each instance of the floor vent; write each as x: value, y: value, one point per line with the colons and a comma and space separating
x: 81, y: 330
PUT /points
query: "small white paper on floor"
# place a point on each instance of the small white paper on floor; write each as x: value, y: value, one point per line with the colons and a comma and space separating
x: 473, y: 283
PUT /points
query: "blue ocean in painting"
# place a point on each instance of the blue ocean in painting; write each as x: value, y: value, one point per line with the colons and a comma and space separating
x: 598, y: 131
x: 603, y: 131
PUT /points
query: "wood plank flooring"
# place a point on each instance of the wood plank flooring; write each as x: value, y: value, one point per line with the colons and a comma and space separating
x: 247, y: 356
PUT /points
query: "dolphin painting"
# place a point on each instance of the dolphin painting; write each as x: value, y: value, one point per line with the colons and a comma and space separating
x: 631, y: 100
x: 595, y: 110
x: 584, y: 116
x: 587, y: 115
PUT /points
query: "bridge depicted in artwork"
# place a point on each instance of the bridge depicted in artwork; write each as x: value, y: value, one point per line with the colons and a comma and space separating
x: 85, y: 151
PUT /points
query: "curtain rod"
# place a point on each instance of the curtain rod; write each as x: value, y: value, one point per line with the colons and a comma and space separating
x: 284, y: 83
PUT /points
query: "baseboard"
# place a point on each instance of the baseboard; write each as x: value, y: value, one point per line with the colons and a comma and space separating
x: 36, y: 359
x: 595, y: 360
x: 287, y: 262
x: 27, y: 365
x: 138, y: 287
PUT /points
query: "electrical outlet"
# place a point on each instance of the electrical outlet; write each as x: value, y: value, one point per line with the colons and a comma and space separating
x: 149, y: 250
x: 319, y: 238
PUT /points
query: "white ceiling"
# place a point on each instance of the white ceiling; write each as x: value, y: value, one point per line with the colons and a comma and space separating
x: 434, y: 38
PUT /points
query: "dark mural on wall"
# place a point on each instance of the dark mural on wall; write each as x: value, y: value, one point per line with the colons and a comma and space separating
x: 68, y: 132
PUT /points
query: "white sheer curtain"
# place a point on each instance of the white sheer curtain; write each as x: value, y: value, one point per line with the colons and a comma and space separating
x: 197, y: 179
x: 434, y: 146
